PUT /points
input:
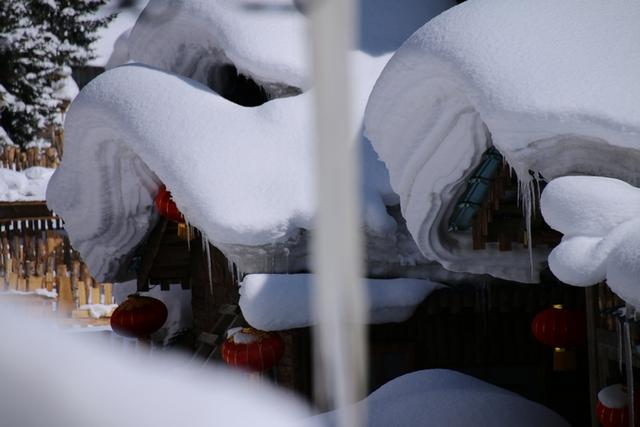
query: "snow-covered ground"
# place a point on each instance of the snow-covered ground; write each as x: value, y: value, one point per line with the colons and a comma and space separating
x: 27, y: 185
x: 550, y: 84
x: 440, y: 397
x: 273, y: 302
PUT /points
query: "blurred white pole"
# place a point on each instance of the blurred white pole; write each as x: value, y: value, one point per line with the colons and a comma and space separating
x: 339, y: 297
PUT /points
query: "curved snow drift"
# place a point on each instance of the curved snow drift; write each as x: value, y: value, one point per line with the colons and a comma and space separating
x: 600, y: 220
x: 537, y: 79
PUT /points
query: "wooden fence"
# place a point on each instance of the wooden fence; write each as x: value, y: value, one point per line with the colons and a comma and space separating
x: 36, y: 259
x: 16, y: 159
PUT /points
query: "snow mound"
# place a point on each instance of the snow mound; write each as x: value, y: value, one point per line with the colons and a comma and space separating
x: 70, y: 397
x: 599, y: 218
x: 537, y: 79
x: 273, y: 302
x: 27, y: 185
x: 440, y: 397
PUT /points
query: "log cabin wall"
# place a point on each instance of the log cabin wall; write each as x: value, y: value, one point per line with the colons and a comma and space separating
x: 483, y: 330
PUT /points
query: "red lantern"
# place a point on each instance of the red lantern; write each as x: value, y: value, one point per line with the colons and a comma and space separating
x: 138, y: 317
x: 562, y: 329
x: 166, y: 206
x: 612, y: 409
x: 252, y: 349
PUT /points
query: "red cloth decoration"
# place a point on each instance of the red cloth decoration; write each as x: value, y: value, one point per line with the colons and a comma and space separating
x: 259, y: 355
x: 138, y: 317
x: 166, y: 206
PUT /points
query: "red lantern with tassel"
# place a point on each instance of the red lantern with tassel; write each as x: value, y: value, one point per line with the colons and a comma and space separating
x: 166, y: 206
x: 563, y: 329
x: 251, y: 349
x: 138, y: 317
x: 613, y: 409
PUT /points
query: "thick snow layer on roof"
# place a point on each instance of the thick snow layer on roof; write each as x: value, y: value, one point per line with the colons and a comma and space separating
x: 189, y: 37
x: 274, y: 302
x: 600, y: 221
x: 550, y: 84
x: 440, y: 397
x: 241, y: 175
x: 27, y: 185
x: 127, y: 13
x: 265, y: 39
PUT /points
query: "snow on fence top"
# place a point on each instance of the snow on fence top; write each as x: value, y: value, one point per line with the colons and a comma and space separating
x: 550, y: 84
x: 241, y: 175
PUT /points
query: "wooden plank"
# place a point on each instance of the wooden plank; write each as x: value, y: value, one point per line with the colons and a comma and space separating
x: 108, y: 293
x: 10, y: 211
x: 149, y: 255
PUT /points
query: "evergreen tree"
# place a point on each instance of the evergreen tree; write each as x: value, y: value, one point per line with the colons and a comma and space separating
x: 27, y: 67
x: 39, y: 41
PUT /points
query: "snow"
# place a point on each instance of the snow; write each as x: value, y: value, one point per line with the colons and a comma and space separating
x: 613, y: 396
x: 273, y: 302
x: 27, y: 185
x: 440, y: 397
x: 242, y: 176
x: 66, y: 89
x: 549, y: 84
x: 240, y: 337
x: 98, y: 311
x: 599, y: 219
x: 135, y: 384
x: 125, y: 19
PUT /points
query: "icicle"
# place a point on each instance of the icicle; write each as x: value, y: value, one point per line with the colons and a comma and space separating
x: 208, y: 253
x: 629, y: 366
x: 526, y: 192
x: 620, y: 349
x: 188, y: 235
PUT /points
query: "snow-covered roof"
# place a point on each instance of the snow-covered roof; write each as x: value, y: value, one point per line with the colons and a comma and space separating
x: 27, y: 185
x: 550, y: 84
x: 273, y: 302
x: 127, y: 13
x: 243, y: 176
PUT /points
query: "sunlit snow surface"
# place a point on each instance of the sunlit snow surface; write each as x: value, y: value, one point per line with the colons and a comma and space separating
x: 551, y: 84
x: 26, y: 185
x: 241, y: 175
x: 600, y: 220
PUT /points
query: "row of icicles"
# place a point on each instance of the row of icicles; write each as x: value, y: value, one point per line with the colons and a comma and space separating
x: 140, y: 316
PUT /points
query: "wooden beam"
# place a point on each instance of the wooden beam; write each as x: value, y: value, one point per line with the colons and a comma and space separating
x: 12, y: 211
x: 149, y: 255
